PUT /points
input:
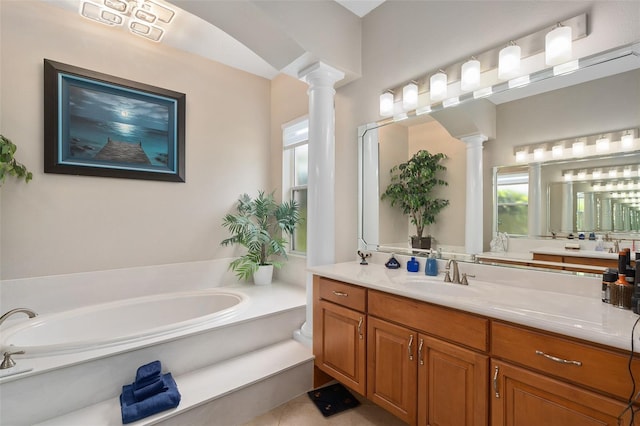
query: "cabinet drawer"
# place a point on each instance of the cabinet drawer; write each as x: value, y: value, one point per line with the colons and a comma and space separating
x: 581, y: 363
x: 348, y: 295
x: 455, y: 326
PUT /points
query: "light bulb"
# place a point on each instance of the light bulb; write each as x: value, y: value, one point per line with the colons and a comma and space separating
x: 557, y: 151
x: 602, y: 145
x: 509, y: 62
x: 521, y: 156
x: 577, y: 148
x: 557, y: 44
x: 438, y: 86
x: 627, y: 141
x: 470, y: 75
x: 386, y: 104
x: 410, y: 96
x: 538, y: 153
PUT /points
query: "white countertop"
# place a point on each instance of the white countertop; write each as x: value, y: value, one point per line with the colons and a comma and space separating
x: 581, y: 316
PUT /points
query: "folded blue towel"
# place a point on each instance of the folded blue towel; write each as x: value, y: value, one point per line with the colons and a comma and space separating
x: 133, y: 410
x: 149, y: 390
x: 147, y: 374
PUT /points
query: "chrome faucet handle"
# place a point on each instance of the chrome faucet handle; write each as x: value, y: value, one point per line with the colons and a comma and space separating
x: 447, y: 277
x: 464, y: 281
x: 7, y: 362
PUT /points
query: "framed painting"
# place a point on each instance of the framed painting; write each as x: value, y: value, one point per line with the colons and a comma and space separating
x: 99, y: 125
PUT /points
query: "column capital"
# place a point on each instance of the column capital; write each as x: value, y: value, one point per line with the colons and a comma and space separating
x: 320, y: 73
x: 474, y: 140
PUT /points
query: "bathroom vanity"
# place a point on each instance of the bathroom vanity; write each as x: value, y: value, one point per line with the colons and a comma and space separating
x: 434, y: 353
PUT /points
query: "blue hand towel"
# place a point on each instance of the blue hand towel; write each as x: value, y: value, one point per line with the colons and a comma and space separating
x: 133, y: 410
x: 149, y: 390
x: 147, y: 374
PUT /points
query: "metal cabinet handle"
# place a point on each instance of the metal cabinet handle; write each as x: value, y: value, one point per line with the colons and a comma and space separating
x: 360, y: 328
x: 495, y: 382
x: 410, y: 348
x: 560, y: 360
x: 420, y: 345
x: 340, y: 293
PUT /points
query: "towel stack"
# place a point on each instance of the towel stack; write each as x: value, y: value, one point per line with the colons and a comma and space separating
x: 151, y: 393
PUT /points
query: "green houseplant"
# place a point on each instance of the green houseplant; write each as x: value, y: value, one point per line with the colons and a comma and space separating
x: 412, y: 189
x: 8, y: 164
x: 260, y: 225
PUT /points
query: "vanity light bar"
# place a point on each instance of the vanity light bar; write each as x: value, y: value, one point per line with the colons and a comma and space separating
x: 502, y: 65
x: 582, y: 147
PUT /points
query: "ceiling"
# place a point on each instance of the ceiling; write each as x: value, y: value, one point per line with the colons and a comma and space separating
x: 360, y: 7
x: 253, y: 36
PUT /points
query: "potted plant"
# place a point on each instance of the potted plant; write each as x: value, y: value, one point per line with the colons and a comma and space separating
x: 8, y: 164
x: 260, y: 225
x: 412, y: 189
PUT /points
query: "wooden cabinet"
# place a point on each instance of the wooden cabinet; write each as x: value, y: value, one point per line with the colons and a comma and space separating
x: 339, y: 343
x: 392, y: 368
x: 434, y: 366
x: 418, y: 376
x: 524, y: 398
x: 452, y: 384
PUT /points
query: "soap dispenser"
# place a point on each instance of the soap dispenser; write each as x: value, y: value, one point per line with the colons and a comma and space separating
x: 432, y: 265
x: 413, y: 265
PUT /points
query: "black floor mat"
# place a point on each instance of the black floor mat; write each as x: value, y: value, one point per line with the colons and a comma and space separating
x: 333, y: 399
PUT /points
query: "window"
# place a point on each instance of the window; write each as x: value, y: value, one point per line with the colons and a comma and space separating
x: 512, y: 195
x: 295, y: 172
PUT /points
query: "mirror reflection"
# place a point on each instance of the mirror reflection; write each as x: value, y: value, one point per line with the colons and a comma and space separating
x: 592, y: 105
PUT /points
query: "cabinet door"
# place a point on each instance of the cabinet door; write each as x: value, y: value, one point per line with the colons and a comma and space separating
x: 523, y: 398
x: 452, y: 385
x: 341, y: 352
x: 392, y: 368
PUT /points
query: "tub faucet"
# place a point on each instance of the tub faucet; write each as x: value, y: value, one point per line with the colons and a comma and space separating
x: 15, y: 311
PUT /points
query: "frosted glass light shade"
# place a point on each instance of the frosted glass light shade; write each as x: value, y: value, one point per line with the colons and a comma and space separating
x: 538, y: 154
x: 521, y: 156
x: 509, y: 62
x: 386, y: 104
x: 557, y: 44
x: 602, y: 145
x: 557, y: 151
x: 626, y: 141
x: 470, y: 75
x: 410, y: 96
x: 578, y: 148
x: 438, y: 86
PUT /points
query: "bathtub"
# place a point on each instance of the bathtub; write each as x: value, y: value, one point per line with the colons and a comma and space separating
x: 120, y: 322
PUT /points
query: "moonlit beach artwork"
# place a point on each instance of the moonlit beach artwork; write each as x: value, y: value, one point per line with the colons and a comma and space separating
x: 102, y: 125
x: 119, y: 129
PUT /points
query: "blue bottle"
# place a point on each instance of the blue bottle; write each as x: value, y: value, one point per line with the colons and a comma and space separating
x: 432, y: 266
x: 413, y: 265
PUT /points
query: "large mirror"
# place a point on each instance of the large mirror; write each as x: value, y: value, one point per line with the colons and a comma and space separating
x: 601, y: 98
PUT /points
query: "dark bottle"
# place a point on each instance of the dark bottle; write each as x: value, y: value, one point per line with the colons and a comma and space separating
x: 635, y: 299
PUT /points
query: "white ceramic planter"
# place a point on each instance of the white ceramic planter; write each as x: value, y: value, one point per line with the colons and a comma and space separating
x: 263, y: 275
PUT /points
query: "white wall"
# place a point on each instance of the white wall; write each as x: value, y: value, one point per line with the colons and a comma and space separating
x: 403, y: 40
x: 60, y: 223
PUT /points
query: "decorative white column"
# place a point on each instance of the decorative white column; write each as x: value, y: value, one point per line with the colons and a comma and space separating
x: 473, y: 226
x: 589, y: 212
x: 606, y: 213
x: 321, y: 184
x: 535, y: 200
x: 567, y: 208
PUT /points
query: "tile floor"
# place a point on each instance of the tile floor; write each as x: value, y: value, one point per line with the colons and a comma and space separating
x: 301, y: 411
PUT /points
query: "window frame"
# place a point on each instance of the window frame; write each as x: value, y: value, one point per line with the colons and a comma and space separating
x: 289, y: 184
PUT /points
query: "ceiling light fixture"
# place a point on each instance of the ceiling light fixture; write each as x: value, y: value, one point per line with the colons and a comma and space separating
x: 142, y: 17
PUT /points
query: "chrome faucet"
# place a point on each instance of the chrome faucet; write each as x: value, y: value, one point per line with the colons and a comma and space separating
x: 456, y: 272
x: 15, y: 311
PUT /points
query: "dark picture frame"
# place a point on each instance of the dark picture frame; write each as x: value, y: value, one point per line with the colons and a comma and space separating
x: 100, y: 125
